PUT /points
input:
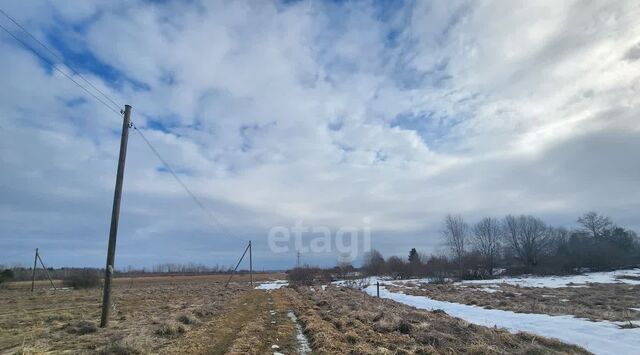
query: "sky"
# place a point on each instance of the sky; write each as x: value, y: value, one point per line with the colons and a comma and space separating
x: 379, y: 116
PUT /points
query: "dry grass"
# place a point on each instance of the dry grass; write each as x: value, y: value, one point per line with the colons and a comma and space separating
x: 170, y: 329
x: 244, y: 328
x: 342, y: 321
x: 159, y: 279
x: 595, y: 302
x: 192, y: 315
x: 64, y: 321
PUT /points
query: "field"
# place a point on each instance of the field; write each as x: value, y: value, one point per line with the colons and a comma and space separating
x: 600, y: 311
x: 149, y: 315
x: 614, y: 302
x: 198, y: 315
x: 598, y: 296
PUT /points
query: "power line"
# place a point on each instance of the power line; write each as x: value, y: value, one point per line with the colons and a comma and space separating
x: 184, y: 186
x: 144, y: 138
x: 59, y: 58
x: 58, y: 69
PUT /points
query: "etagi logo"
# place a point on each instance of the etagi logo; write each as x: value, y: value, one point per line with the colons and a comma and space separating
x: 348, y: 240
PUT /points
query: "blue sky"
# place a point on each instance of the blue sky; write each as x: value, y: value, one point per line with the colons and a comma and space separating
x: 320, y: 112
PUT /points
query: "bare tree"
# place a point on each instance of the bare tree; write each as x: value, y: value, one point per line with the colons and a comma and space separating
x: 487, y: 236
x: 374, y: 263
x: 595, y: 224
x: 527, y: 236
x: 455, y: 234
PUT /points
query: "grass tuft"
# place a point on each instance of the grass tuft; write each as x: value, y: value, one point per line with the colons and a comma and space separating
x: 81, y: 327
x: 187, y: 319
x: 170, y: 330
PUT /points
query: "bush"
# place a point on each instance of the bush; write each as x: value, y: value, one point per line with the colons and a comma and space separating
x: 82, y: 279
x: 6, y: 275
x: 305, y: 276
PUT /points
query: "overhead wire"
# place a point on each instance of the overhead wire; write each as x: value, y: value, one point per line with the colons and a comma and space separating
x: 55, y: 67
x: 58, y: 57
x: 164, y: 162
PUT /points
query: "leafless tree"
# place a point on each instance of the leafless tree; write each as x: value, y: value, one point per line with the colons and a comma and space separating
x: 455, y: 234
x: 374, y: 263
x: 487, y: 236
x: 527, y: 236
x: 595, y: 224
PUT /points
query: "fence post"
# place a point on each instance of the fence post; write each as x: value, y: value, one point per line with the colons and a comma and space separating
x: 378, y: 289
x: 33, y: 275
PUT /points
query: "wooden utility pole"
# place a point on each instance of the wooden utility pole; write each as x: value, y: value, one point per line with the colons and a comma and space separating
x: 115, y: 215
x: 250, y: 266
x: 33, y: 275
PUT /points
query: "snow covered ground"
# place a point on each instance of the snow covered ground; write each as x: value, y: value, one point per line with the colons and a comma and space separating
x: 272, y: 285
x: 564, y: 281
x: 597, y: 337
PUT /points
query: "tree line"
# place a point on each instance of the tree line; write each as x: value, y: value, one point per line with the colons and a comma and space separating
x: 19, y: 273
x: 516, y: 245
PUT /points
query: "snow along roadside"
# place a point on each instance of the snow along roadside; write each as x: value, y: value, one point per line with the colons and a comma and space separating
x: 597, y: 337
x: 273, y: 285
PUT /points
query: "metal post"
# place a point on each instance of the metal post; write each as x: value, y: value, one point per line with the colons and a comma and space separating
x: 33, y: 276
x: 250, y: 266
x: 378, y: 289
x: 115, y: 214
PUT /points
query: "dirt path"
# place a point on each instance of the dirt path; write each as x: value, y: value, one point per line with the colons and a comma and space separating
x: 251, y: 325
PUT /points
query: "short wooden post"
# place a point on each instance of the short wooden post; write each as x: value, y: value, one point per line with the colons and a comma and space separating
x: 378, y: 289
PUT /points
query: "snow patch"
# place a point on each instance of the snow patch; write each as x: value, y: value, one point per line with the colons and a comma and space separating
x: 303, y: 342
x: 273, y: 285
x: 563, y: 281
x: 597, y: 337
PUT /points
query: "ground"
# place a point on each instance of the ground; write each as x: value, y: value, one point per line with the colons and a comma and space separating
x: 599, y: 311
x: 340, y: 320
x: 198, y: 315
x: 149, y: 314
x: 615, y: 302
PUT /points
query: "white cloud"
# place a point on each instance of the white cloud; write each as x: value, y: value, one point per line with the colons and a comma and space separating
x: 275, y: 113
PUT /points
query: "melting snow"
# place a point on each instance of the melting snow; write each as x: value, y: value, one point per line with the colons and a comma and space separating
x: 564, y: 281
x: 598, y: 337
x: 303, y: 342
x: 273, y: 285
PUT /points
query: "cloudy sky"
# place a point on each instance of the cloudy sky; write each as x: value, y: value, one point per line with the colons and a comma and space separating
x: 328, y: 113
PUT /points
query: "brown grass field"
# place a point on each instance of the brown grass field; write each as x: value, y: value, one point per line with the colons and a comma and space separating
x: 65, y: 321
x: 340, y: 320
x: 197, y: 315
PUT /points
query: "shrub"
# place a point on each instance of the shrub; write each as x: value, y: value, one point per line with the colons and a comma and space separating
x: 6, y: 275
x: 85, y: 278
x: 304, y: 276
